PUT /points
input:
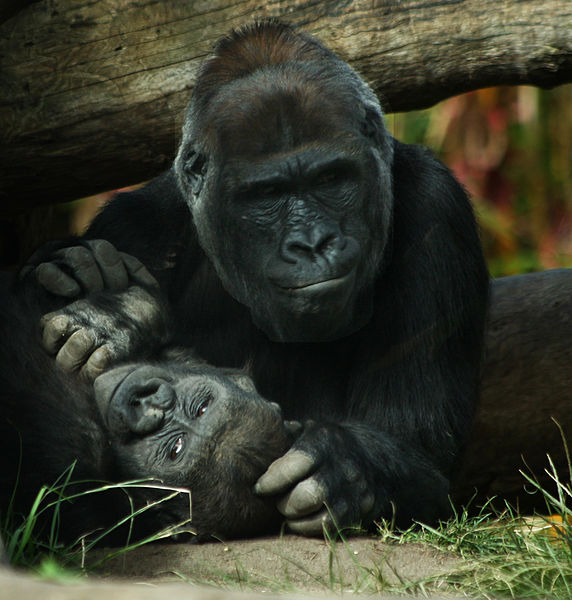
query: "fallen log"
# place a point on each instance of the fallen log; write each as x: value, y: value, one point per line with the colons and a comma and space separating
x: 92, y: 94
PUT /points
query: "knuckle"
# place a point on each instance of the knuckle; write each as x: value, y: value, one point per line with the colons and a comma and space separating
x: 349, y: 471
x: 57, y: 324
x: 80, y: 342
x: 105, y: 252
x: 78, y: 257
x: 367, y: 502
x: 101, y: 357
x: 45, y: 319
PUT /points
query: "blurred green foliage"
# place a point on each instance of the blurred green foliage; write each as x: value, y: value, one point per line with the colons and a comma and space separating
x: 512, y: 149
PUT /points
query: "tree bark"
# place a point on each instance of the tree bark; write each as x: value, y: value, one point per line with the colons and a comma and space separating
x: 526, y: 387
x: 92, y: 94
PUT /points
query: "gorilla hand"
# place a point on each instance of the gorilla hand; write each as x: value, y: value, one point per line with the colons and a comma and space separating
x: 324, y: 480
x: 91, y: 334
x: 93, y: 266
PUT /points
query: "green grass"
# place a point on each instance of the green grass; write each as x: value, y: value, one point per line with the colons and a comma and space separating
x: 47, y: 555
x: 502, y: 555
x: 507, y: 555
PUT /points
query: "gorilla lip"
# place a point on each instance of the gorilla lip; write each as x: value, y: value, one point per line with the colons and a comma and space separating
x: 316, y: 287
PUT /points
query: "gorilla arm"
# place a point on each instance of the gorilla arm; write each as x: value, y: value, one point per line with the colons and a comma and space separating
x: 414, y: 381
x: 84, y: 335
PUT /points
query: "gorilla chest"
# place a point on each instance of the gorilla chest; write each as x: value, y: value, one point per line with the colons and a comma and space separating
x: 305, y: 383
x: 308, y: 380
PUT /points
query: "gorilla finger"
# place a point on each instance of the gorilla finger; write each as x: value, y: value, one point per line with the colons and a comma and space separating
x: 110, y: 261
x: 53, y: 279
x: 138, y: 271
x: 306, y: 498
x: 56, y: 329
x: 366, y: 503
x: 76, y: 350
x: 284, y: 472
x: 84, y: 267
x: 97, y: 363
x: 330, y: 519
x: 311, y: 526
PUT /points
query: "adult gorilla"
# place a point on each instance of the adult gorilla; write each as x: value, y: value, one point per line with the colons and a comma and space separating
x: 296, y: 236
x: 176, y: 422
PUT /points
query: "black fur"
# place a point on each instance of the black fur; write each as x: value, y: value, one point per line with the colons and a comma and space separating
x: 296, y: 236
x: 224, y: 434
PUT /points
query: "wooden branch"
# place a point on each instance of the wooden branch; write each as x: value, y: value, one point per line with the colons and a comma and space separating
x: 92, y: 93
x: 526, y: 387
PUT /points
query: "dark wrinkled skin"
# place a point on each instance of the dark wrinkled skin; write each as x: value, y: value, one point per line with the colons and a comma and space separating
x: 173, y: 422
x: 296, y: 236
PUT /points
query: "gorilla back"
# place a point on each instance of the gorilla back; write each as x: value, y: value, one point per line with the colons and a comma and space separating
x: 172, y: 424
x: 295, y: 235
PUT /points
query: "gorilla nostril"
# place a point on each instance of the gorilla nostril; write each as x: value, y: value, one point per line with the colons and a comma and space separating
x: 140, y: 404
x: 330, y: 242
x: 156, y: 392
x: 298, y: 249
x: 311, y: 244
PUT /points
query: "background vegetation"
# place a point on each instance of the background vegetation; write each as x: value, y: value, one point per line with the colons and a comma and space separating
x: 512, y: 148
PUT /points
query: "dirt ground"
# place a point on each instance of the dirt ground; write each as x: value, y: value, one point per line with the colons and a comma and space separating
x: 284, y: 564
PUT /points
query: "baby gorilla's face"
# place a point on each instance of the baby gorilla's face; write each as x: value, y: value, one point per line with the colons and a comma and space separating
x: 200, y: 429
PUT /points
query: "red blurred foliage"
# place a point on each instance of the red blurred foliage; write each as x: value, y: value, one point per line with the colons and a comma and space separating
x: 512, y: 149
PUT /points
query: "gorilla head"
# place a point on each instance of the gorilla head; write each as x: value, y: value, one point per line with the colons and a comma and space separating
x: 285, y: 164
x: 170, y: 424
x: 196, y: 428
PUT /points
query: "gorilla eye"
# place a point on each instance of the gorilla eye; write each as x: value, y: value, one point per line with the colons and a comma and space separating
x: 196, y: 164
x: 328, y: 177
x: 268, y: 190
x: 177, y: 448
x: 195, y: 169
x: 202, y: 409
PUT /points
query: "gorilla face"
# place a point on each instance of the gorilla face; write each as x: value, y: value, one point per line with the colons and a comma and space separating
x: 292, y: 201
x: 199, y: 431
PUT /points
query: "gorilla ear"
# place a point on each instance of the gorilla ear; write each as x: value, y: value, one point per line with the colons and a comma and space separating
x: 195, y: 169
x: 372, y: 124
x: 241, y: 379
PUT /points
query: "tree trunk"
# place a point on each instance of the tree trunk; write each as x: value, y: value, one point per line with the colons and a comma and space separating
x: 526, y: 387
x: 92, y: 94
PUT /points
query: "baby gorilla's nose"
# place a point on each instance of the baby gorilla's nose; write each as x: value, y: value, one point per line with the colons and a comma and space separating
x: 136, y: 402
x: 141, y: 404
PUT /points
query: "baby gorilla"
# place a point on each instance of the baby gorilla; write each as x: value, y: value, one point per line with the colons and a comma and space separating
x: 199, y: 429
x: 176, y: 422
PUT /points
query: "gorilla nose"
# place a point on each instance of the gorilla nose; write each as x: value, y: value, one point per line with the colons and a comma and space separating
x: 139, y: 405
x: 312, y: 242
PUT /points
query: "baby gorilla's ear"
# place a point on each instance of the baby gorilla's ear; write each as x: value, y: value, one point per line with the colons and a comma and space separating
x: 241, y: 379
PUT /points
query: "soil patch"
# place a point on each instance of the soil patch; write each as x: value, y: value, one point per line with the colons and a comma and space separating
x: 285, y: 564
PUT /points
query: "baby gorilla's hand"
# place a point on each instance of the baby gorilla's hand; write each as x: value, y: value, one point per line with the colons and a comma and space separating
x: 91, y: 267
x: 91, y: 334
x: 323, y: 479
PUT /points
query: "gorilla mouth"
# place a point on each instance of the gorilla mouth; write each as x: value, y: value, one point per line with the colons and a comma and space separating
x: 321, y: 286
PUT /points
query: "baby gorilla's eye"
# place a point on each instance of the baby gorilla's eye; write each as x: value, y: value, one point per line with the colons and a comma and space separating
x: 327, y: 178
x: 202, y: 409
x: 177, y: 448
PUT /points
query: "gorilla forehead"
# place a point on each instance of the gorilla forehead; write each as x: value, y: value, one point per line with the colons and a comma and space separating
x: 277, y: 109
